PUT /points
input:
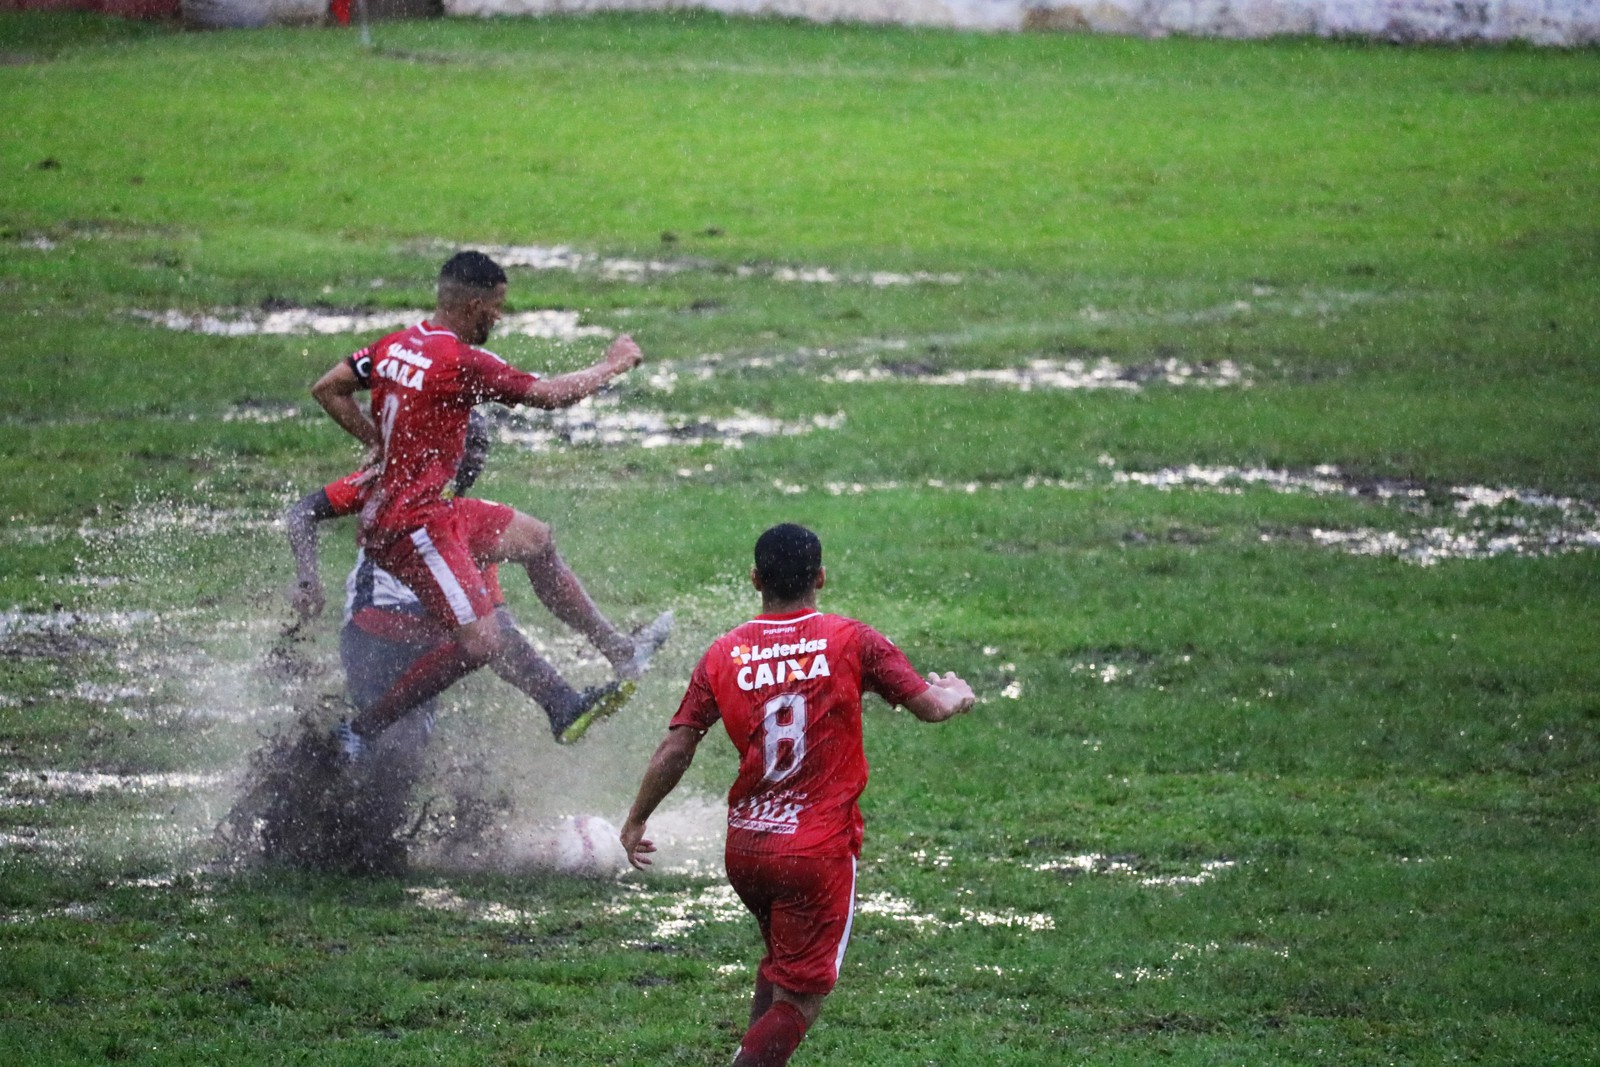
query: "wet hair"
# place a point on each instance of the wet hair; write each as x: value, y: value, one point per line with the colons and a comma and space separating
x: 788, y: 560
x: 471, y: 270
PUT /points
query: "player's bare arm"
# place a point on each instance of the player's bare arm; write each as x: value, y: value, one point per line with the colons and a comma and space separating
x: 336, y: 392
x: 564, y: 390
x: 667, y: 766
x: 945, y: 698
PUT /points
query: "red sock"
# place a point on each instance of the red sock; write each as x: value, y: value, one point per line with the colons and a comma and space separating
x: 431, y: 674
x: 772, y: 1039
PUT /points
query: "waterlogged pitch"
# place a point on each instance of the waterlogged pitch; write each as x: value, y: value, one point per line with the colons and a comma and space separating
x: 1221, y: 410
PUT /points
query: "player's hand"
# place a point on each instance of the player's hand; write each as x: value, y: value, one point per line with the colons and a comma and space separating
x: 957, y: 686
x: 624, y: 354
x: 636, y: 846
x: 307, y: 600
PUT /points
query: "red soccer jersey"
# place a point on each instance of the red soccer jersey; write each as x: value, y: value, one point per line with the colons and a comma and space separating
x: 788, y: 689
x: 425, y: 382
x: 347, y: 495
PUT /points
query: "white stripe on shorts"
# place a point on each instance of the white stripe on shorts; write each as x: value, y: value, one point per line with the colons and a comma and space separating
x: 850, y: 921
x: 454, y: 595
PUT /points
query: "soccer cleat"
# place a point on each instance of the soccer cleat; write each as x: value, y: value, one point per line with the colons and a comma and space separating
x: 595, y: 703
x: 647, y: 640
x: 352, y: 746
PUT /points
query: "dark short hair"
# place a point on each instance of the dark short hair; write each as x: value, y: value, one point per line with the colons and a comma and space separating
x: 473, y: 270
x: 788, y: 560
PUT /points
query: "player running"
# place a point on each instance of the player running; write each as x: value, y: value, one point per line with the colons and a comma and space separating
x: 424, y: 383
x: 385, y: 629
x: 787, y: 687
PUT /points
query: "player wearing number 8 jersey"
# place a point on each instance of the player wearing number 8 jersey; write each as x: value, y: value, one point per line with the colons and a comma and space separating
x: 787, y: 687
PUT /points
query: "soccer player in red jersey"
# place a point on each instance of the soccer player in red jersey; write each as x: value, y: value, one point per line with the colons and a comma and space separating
x: 424, y: 383
x: 787, y: 687
x: 385, y: 629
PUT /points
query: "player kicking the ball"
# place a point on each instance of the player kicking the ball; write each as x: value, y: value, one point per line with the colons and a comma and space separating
x: 787, y: 687
x: 385, y: 629
x: 425, y: 382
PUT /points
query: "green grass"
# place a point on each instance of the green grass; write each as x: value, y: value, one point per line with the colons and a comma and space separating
x: 1396, y: 765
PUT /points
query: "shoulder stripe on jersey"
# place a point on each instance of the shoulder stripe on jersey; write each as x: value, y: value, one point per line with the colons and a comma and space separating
x: 785, y: 622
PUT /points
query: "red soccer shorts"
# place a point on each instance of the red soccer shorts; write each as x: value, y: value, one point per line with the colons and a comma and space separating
x: 447, y: 561
x: 805, y: 906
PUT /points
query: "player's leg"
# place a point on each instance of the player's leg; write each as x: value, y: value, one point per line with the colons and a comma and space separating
x: 435, y: 563
x: 569, y: 711
x: 372, y: 664
x: 528, y: 541
x: 436, y: 670
x: 805, y: 907
x: 761, y: 999
x: 773, y: 1037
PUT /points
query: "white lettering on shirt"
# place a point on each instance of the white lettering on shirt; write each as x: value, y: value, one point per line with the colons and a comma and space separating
x: 764, y: 675
x: 777, y: 814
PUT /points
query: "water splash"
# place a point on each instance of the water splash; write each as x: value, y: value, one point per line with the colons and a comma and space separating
x: 90, y: 783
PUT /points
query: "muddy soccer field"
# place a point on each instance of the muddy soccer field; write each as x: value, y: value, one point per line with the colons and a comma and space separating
x: 1222, y: 410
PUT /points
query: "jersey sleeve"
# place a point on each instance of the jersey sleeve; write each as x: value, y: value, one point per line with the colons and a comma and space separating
x: 360, y: 363
x: 347, y: 495
x: 699, y: 709
x: 492, y: 378
x: 885, y: 670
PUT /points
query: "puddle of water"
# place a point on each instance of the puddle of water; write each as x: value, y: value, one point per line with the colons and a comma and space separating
x: 547, y: 324
x: 443, y: 898
x: 1323, y: 480
x: 30, y: 840
x: 1071, y: 374
x: 1127, y: 867
x: 82, y: 912
x: 601, y: 421
x: 1428, y: 547
x: 15, y: 623
x: 1500, y: 521
x: 263, y: 416
x: 677, y: 915
x: 144, y: 522
x: 566, y: 258
x: 89, y: 783
x: 100, y: 693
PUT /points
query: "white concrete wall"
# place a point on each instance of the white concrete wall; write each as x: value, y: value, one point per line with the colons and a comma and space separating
x: 1543, y: 22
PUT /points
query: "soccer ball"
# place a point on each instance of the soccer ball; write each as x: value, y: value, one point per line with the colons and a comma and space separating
x: 587, y: 845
